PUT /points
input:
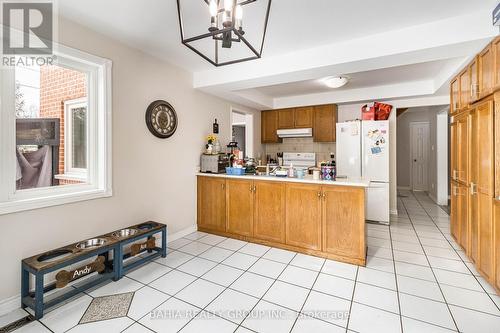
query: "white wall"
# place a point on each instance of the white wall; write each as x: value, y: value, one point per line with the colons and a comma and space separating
x: 152, y: 178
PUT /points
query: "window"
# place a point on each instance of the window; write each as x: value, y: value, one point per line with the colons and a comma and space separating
x: 75, y: 140
x: 55, y: 132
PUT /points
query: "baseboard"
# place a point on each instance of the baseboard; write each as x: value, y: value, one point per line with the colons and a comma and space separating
x: 13, y: 303
x: 433, y: 199
x: 404, y: 188
x: 393, y: 212
x: 10, y: 304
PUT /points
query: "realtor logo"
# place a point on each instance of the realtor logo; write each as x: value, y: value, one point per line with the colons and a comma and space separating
x: 27, y: 28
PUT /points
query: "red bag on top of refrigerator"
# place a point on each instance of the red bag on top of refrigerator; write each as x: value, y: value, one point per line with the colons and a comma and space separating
x: 382, y: 111
x: 367, y: 113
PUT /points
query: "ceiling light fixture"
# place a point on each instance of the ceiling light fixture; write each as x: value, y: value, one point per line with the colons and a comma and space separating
x: 225, y: 29
x: 335, y: 81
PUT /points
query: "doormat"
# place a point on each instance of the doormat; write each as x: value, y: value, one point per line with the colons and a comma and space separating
x: 107, y: 307
x: 17, y: 324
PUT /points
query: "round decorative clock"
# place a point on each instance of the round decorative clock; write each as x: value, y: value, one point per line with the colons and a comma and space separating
x: 161, y: 119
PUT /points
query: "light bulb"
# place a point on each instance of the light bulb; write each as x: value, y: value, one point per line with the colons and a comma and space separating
x: 228, y: 5
x: 238, y: 14
x: 213, y: 7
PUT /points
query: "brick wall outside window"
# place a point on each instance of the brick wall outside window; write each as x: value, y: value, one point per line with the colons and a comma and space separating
x: 58, y: 85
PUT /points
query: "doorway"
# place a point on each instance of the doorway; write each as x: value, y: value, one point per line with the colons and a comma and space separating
x: 419, y: 153
x: 242, y: 129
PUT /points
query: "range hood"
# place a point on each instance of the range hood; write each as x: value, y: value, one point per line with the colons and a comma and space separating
x: 295, y: 133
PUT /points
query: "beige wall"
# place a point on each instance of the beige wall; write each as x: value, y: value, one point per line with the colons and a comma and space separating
x: 152, y: 178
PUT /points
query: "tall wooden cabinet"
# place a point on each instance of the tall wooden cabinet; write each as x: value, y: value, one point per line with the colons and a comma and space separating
x: 475, y: 161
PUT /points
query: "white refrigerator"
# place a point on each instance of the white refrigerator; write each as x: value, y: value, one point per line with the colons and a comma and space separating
x: 363, y: 152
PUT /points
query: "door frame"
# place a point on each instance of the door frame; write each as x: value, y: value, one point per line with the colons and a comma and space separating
x: 411, y: 124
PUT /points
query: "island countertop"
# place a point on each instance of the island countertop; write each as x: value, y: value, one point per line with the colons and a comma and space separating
x: 358, y: 182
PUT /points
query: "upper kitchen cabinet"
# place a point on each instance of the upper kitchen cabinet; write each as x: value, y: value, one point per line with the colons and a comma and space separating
x: 486, y: 71
x: 464, y: 95
x: 474, y: 80
x: 455, y: 95
x: 295, y: 118
x: 303, y: 117
x: 325, y: 119
x: 495, y: 47
x: 212, y: 203
x: 286, y: 118
x: 269, y: 126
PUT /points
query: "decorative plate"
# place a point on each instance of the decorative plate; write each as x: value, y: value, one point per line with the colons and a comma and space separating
x: 161, y: 119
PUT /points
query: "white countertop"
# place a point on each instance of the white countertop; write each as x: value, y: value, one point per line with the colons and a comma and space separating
x: 308, y: 179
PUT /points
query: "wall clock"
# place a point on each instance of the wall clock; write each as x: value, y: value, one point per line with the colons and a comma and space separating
x: 161, y: 119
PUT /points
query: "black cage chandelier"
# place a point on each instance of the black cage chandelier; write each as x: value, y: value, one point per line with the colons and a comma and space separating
x: 214, y: 29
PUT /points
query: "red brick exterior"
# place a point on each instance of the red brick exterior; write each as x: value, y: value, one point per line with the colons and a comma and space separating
x: 57, y: 85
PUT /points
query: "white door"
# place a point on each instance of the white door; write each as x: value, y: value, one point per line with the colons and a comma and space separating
x: 419, y: 153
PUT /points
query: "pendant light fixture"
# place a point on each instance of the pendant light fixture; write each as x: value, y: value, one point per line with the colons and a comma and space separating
x: 224, y: 32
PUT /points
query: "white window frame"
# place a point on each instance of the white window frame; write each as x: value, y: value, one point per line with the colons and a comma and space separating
x: 70, y: 172
x: 99, y: 159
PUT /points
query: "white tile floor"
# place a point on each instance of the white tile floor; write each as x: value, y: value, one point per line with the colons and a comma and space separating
x: 416, y: 280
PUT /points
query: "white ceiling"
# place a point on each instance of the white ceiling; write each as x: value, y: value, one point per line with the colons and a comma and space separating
x: 378, y: 77
x: 390, y: 43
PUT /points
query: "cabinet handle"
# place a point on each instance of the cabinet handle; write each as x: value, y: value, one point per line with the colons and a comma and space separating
x: 223, y: 186
x: 254, y: 188
x: 454, y: 174
x: 473, y: 188
x: 324, y: 196
x: 319, y: 194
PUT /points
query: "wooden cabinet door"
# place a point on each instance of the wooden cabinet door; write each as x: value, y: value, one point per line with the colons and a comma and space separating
x: 462, y: 143
x: 454, y: 216
x: 474, y: 80
x: 454, y: 150
x: 286, y: 118
x: 454, y: 95
x: 303, y: 216
x: 496, y: 243
x: 486, y: 250
x: 485, y: 148
x: 473, y: 197
x: 495, y: 46
x: 303, y: 117
x: 325, y: 120
x: 463, y: 215
x: 212, y: 203
x: 269, y: 125
x: 464, y: 88
x: 497, y: 143
x: 269, y: 217
x: 486, y: 71
x: 343, y: 217
x: 239, y: 202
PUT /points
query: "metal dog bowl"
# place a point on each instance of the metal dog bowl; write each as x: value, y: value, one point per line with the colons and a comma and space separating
x: 54, y: 255
x: 124, y: 233
x: 147, y: 225
x: 91, y: 243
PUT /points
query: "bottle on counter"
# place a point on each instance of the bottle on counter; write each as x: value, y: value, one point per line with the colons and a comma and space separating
x: 291, y: 171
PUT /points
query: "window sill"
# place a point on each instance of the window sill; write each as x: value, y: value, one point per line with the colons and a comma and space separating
x: 72, y: 177
x: 53, y: 200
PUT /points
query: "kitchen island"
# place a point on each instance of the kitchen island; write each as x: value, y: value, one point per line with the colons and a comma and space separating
x: 316, y: 217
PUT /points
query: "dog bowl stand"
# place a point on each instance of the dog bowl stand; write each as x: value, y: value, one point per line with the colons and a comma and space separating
x: 107, y: 269
x: 149, y: 247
